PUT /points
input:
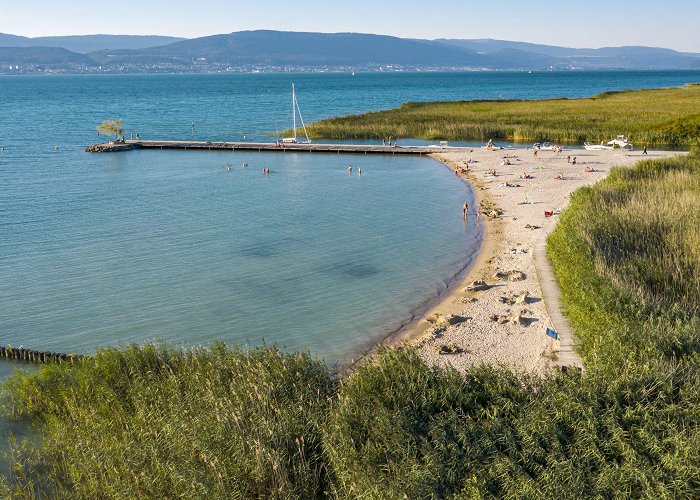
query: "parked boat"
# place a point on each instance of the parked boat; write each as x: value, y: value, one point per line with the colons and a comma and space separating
x: 295, y: 110
x: 544, y: 145
x: 491, y: 145
x: 620, y: 142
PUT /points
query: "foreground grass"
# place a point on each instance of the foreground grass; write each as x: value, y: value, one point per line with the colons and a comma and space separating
x: 150, y: 423
x: 650, y: 117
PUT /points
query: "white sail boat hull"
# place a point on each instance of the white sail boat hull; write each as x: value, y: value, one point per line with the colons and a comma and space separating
x: 295, y: 110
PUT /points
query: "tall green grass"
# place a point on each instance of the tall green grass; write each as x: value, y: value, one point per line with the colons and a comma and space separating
x: 150, y: 422
x: 629, y: 249
x: 650, y: 117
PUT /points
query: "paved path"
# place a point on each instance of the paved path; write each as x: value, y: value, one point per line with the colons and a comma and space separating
x: 567, y: 357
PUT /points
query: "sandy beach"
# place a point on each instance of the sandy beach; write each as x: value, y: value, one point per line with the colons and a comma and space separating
x: 504, y: 322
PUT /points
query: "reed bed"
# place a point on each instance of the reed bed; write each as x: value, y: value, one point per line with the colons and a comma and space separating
x: 151, y: 422
x: 660, y: 117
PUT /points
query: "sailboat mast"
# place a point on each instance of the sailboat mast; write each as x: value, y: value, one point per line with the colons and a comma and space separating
x: 294, y: 113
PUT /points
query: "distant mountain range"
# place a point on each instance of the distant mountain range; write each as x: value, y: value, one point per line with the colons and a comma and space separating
x: 276, y: 50
x: 84, y: 44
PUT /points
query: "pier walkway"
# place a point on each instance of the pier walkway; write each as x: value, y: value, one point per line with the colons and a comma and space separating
x: 109, y: 147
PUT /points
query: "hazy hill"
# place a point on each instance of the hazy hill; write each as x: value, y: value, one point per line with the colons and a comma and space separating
x: 88, y: 43
x: 276, y: 49
x: 629, y: 57
x: 53, y: 57
x: 308, y: 49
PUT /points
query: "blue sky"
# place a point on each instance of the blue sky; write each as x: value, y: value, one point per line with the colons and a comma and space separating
x: 592, y: 23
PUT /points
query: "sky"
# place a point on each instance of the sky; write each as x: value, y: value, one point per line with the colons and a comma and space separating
x: 593, y: 23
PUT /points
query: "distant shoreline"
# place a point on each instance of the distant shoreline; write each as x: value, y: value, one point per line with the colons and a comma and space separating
x: 327, y: 71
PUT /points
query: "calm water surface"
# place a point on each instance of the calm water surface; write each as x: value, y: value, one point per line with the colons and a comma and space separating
x: 106, y: 249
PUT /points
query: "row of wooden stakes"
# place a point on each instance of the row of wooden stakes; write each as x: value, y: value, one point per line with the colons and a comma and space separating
x: 32, y: 356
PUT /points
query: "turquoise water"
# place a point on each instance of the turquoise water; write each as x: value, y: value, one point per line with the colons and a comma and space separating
x: 107, y: 249
x: 172, y: 245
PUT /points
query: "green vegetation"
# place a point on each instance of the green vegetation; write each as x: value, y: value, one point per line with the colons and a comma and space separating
x: 148, y: 422
x: 629, y: 248
x: 650, y: 117
x: 153, y: 423
x: 111, y: 127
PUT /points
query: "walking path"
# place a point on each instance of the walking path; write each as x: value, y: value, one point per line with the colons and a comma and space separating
x: 566, y: 356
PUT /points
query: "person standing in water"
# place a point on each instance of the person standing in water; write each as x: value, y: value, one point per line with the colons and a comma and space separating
x: 465, y: 210
x: 359, y: 170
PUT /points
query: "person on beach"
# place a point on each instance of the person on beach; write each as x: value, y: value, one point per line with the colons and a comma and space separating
x: 568, y: 159
x: 573, y: 160
x: 465, y: 209
x: 645, y: 151
x: 534, y: 151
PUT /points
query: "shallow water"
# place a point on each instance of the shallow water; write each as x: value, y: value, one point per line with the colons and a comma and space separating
x: 171, y: 245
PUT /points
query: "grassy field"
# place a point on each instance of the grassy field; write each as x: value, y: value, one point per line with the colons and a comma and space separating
x: 661, y: 117
x: 148, y: 422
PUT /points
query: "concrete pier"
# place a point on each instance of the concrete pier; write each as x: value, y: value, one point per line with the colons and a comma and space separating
x: 279, y: 147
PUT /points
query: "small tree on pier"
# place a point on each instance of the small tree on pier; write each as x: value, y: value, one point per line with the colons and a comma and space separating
x: 112, y: 127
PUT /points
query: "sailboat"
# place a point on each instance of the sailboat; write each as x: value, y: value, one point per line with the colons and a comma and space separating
x: 295, y: 110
